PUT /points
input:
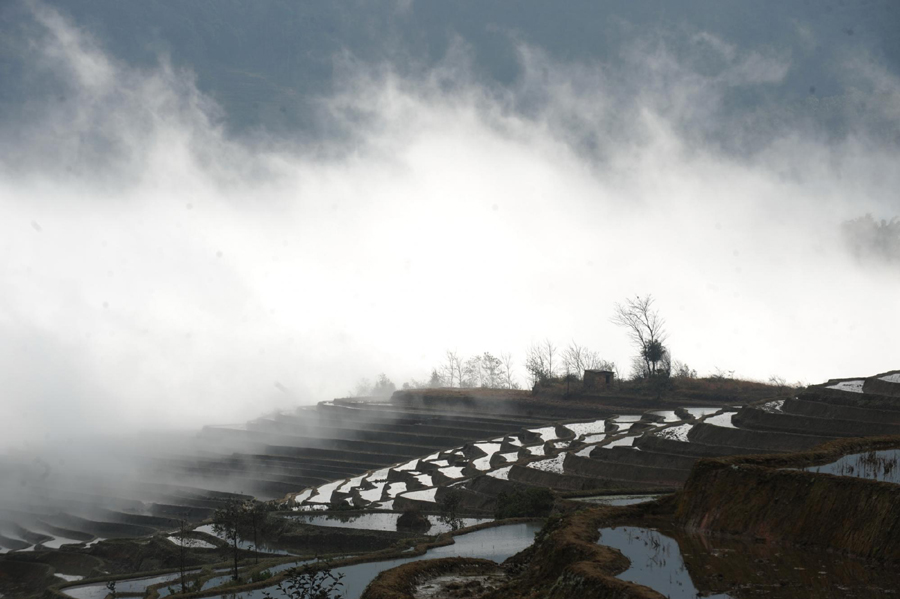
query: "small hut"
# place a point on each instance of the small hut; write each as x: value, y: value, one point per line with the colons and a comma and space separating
x: 598, y: 379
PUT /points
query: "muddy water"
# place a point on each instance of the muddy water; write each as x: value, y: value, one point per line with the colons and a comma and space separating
x: 381, y: 522
x: 680, y: 565
x: 876, y: 465
x: 495, y: 544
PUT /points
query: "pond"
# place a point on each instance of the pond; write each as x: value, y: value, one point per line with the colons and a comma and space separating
x: 874, y: 465
x: 381, y: 522
x: 495, y: 544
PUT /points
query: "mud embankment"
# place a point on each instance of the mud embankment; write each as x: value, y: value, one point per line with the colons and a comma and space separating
x: 625, y: 473
x: 820, y: 409
x: 763, y: 497
x: 753, y: 440
x: 752, y: 418
x: 401, y: 582
x: 566, y: 560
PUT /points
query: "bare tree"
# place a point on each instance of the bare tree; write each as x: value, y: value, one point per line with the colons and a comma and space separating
x: 647, y: 330
x: 182, y: 535
x: 549, y: 351
x: 491, y: 371
x: 472, y: 374
x: 509, y: 380
x: 577, y: 358
x: 539, y: 361
x: 450, y: 368
x: 256, y: 516
x: 681, y: 370
x: 227, y: 522
x: 459, y: 367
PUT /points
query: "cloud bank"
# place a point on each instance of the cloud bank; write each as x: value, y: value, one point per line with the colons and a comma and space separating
x: 155, y: 272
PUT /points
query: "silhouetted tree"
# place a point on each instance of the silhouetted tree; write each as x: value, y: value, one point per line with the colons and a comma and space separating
x: 539, y: 361
x: 184, y: 541
x: 646, y: 329
x: 449, y: 508
x: 321, y: 584
x: 227, y: 522
x: 256, y: 514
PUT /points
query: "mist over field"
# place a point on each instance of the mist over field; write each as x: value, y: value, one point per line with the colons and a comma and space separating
x: 168, y: 261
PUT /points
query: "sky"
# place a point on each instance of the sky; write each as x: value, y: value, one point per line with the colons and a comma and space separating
x: 158, y: 270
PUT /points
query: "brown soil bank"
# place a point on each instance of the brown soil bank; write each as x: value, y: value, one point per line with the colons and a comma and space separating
x: 764, y: 497
x: 401, y: 582
x: 566, y: 561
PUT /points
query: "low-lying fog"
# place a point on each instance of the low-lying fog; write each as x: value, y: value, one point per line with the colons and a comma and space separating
x: 157, y: 272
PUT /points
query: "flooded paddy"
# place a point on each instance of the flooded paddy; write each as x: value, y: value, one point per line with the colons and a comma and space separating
x: 495, y: 544
x: 722, y: 420
x: 98, y: 590
x: 684, y: 566
x: 171, y: 581
x: 242, y: 544
x: 630, y: 499
x: 218, y: 581
x: 381, y: 521
x: 874, y: 465
x: 656, y: 561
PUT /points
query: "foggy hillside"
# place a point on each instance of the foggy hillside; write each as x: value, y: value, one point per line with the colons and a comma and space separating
x: 216, y: 209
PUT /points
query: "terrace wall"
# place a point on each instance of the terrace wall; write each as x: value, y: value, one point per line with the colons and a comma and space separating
x: 762, y: 497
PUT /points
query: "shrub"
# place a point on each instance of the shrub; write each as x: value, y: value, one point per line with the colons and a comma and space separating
x: 411, y: 519
x: 260, y: 576
x: 523, y: 503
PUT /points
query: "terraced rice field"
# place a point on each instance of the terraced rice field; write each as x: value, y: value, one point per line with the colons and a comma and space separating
x: 633, y: 451
x: 384, y: 457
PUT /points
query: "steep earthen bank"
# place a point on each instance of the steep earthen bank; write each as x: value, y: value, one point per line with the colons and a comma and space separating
x: 766, y: 497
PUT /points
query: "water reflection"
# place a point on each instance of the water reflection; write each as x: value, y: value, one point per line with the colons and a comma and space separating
x: 655, y: 559
x: 98, y: 590
x: 242, y: 543
x: 678, y: 564
x: 495, y: 544
x: 382, y: 521
x: 873, y: 465
x: 617, y: 499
